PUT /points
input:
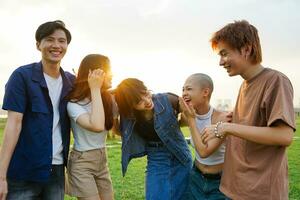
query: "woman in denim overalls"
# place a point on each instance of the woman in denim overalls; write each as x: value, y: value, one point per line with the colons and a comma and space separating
x: 148, y: 126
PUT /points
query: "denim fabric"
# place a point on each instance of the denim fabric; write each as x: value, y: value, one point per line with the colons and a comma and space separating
x: 166, y: 177
x: 201, y: 188
x: 166, y: 127
x: 53, y: 189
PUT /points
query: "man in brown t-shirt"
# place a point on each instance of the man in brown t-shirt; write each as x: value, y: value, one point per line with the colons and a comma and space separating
x: 263, y: 119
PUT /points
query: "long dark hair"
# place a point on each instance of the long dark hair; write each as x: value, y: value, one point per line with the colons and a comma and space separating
x: 127, y: 94
x: 81, y: 88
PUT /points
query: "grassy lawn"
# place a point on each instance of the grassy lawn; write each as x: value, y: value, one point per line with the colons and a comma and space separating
x: 131, y: 186
x: 294, y: 165
x: 2, y: 124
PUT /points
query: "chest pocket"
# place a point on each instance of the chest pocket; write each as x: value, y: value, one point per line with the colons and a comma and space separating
x: 39, y: 105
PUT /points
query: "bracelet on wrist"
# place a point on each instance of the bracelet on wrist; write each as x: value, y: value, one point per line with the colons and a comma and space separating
x: 216, y: 130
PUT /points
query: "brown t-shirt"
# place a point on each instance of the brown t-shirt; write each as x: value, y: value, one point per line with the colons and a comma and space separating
x: 252, y: 170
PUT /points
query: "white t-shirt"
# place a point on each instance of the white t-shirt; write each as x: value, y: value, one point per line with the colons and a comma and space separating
x: 54, y: 87
x: 84, y: 139
x: 216, y: 157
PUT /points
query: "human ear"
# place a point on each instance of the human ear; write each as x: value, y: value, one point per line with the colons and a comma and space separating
x: 206, y: 91
x: 38, y: 46
x: 247, y: 51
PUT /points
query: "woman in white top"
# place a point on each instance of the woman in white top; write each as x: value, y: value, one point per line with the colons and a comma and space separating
x: 91, y: 112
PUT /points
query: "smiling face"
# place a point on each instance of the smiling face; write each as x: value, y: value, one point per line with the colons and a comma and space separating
x: 145, y: 104
x: 234, y: 61
x: 193, y: 93
x: 53, y: 47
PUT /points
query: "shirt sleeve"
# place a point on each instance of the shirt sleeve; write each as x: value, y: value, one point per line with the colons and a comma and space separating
x: 15, y: 97
x: 75, y: 110
x: 174, y: 100
x: 279, y: 101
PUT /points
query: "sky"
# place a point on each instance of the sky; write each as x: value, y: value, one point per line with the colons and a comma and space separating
x: 161, y: 42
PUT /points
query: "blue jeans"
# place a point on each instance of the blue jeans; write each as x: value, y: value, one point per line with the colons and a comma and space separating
x: 50, y: 190
x: 166, y: 177
x: 204, y: 188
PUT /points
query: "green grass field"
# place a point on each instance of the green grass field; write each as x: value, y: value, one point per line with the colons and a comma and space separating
x: 131, y: 186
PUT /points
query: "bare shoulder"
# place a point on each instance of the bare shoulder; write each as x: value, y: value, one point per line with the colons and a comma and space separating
x: 218, y: 115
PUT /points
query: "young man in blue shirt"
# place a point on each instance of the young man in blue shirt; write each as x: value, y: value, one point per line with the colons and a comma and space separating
x: 37, y: 132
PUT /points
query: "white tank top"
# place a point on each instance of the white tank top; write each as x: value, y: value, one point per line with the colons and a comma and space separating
x: 216, y: 157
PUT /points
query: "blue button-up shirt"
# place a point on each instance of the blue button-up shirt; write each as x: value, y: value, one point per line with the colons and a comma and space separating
x: 26, y: 92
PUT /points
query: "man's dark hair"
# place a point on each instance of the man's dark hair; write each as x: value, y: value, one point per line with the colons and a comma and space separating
x: 46, y: 29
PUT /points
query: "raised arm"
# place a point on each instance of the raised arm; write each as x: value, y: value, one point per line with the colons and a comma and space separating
x: 204, y: 150
x: 94, y: 121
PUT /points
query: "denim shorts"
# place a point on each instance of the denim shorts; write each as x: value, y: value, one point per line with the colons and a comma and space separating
x: 28, y: 190
x: 166, y: 177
